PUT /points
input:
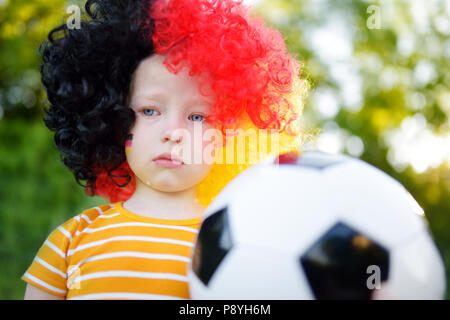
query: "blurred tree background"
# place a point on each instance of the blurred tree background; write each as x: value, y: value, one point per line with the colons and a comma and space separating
x: 379, y: 75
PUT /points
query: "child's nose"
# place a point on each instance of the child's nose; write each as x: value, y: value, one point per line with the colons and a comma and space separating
x: 174, y: 131
x: 172, y: 136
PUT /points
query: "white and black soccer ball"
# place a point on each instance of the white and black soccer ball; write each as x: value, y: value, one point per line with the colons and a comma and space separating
x: 315, y: 226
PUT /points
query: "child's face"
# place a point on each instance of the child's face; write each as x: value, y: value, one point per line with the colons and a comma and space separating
x: 167, y: 108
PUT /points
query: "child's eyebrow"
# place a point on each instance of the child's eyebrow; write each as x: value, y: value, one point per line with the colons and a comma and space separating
x: 142, y: 99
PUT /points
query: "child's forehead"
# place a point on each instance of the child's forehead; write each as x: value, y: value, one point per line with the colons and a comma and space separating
x: 152, y: 80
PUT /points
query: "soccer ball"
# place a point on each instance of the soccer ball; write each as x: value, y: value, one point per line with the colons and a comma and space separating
x: 315, y: 226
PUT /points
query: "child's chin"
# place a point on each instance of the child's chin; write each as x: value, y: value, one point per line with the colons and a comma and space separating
x: 169, y: 186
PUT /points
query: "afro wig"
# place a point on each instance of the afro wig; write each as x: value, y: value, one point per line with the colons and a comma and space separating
x: 87, y: 75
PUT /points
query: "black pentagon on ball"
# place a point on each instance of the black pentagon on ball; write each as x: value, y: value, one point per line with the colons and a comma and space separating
x: 312, y: 159
x: 213, y: 243
x: 337, y: 265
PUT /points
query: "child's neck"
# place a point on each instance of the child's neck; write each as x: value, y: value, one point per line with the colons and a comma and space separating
x: 152, y: 203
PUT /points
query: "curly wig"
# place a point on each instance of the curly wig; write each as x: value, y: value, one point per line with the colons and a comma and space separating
x: 87, y: 75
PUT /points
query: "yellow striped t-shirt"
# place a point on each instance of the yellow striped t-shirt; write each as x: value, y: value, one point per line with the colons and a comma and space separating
x: 108, y: 252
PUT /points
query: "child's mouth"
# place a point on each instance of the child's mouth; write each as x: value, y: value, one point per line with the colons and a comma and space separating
x: 168, y: 163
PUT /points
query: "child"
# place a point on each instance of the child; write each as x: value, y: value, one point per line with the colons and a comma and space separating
x: 131, y: 87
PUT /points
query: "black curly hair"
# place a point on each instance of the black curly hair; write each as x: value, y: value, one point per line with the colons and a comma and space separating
x: 87, y: 74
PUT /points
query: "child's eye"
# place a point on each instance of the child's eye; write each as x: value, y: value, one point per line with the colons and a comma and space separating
x: 197, y: 117
x: 149, y: 112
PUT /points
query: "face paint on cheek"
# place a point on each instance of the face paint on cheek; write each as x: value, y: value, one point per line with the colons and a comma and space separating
x: 128, y: 144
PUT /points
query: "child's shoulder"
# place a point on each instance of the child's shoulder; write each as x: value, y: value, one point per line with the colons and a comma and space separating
x: 91, y: 214
x: 87, y: 217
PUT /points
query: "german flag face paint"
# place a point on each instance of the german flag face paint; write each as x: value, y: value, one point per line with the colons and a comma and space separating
x: 128, y: 144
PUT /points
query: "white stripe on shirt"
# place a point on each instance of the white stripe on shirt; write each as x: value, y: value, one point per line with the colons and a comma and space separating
x: 125, y: 295
x: 128, y: 238
x: 132, y: 254
x: 100, y: 210
x: 85, y: 217
x: 129, y: 274
x: 50, y: 267
x: 44, y: 284
x: 105, y: 216
x: 55, y: 249
x: 65, y: 232
x: 139, y: 224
